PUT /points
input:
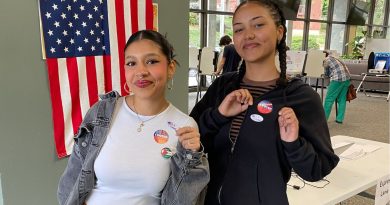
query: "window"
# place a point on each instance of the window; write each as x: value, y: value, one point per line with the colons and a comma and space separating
x: 195, y: 4
x: 379, y: 12
x: 194, y: 29
x: 296, y: 32
x: 316, y: 30
x: 337, y: 38
x: 340, y: 10
x: 319, y: 9
x: 317, y: 35
x: 218, y: 26
x: 302, y: 9
x: 223, y: 5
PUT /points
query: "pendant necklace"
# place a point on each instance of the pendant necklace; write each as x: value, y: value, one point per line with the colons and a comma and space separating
x: 142, y: 122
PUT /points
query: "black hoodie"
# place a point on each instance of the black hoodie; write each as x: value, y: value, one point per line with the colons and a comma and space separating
x: 256, y: 170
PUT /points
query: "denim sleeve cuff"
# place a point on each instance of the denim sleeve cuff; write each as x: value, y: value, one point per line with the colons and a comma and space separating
x: 292, y: 146
x: 192, y: 158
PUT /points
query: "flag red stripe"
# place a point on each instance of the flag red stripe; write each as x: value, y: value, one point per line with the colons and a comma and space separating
x: 121, y: 38
x: 90, y: 67
x: 149, y: 14
x: 57, y: 111
x: 134, y: 15
x: 74, y: 85
x: 107, y: 73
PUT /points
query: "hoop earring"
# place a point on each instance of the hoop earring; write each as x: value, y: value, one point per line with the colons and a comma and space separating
x: 126, y: 88
x: 170, y: 84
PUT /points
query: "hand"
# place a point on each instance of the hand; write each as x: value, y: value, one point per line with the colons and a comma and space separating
x: 288, y: 124
x: 235, y: 103
x: 216, y: 72
x: 189, y: 138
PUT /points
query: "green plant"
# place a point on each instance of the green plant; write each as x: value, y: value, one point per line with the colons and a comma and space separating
x: 296, y: 43
x: 357, y: 45
x: 193, y: 19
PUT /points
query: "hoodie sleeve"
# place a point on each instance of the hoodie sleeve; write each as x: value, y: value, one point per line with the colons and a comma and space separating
x: 311, y: 155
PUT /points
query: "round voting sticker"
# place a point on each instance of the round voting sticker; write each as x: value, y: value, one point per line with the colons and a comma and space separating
x: 257, y: 118
x: 166, y: 153
x: 264, y: 107
x: 161, y: 136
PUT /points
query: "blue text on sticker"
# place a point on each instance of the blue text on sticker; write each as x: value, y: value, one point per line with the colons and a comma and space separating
x: 257, y: 118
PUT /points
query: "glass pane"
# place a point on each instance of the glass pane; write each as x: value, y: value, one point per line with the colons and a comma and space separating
x: 319, y: 9
x: 361, y: 31
x: 337, y: 38
x: 378, y: 32
x: 216, y: 29
x: 195, y: 4
x: 223, y: 5
x: 379, y: 12
x: 194, y: 29
x: 302, y: 9
x: 340, y: 10
x: 297, y: 36
x: 317, y: 35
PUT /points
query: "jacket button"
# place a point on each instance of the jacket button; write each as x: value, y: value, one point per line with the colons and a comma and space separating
x: 189, y: 156
x: 84, y: 144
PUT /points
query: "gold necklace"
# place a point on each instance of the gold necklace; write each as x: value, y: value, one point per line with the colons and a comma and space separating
x: 142, y: 122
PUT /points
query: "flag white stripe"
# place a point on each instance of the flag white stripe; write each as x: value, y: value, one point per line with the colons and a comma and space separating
x: 100, y: 74
x: 83, y: 85
x: 127, y: 16
x: 115, y: 74
x: 66, y: 103
x: 141, y: 15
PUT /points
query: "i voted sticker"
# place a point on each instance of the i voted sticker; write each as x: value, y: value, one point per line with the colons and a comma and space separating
x: 161, y: 136
x: 264, y: 107
x: 257, y: 118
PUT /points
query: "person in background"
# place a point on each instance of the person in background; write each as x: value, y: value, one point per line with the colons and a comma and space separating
x: 137, y: 149
x: 256, y: 125
x: 230, y: 59
x: 339, y: 76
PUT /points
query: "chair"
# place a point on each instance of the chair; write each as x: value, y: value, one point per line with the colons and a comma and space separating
x: 193, y: 59
x: 206, y: 68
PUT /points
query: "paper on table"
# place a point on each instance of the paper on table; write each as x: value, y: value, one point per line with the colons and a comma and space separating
x: 340, y: 144
x: 358, y: 150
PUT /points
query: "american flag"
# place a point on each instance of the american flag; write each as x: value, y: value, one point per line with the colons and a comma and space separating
x: 84, y: 42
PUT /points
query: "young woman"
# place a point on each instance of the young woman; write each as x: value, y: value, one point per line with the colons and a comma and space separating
x: 256, y: 125
x: 138, y: 149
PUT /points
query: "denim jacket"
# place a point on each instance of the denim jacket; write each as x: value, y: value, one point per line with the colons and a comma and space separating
x: 189, y: 170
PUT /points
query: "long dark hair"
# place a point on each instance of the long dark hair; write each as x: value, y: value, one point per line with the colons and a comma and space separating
x: 158, y: 38
x: 281, y: 47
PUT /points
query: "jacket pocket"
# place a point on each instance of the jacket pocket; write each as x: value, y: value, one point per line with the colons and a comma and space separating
x: 82, y: 141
